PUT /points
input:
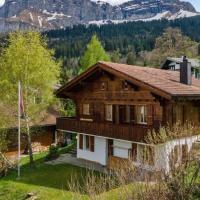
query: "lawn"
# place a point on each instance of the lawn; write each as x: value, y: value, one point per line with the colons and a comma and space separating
x: 48, y: 182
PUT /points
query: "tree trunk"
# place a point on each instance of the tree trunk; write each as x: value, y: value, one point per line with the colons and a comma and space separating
x: 30, y: 150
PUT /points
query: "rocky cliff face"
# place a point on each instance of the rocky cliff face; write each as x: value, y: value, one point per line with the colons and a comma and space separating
x: 52, y: 14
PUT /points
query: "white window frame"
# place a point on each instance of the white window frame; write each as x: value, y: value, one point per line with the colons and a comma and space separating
x: 142, y: 113
x: 109, y: 116
x: 86, y: 108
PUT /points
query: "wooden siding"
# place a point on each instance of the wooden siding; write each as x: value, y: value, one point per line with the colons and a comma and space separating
x: 125, y: 132
x: 103, y: 88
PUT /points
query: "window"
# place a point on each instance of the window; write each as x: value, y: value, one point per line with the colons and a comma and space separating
x: 142, y: 114
x: 125, y: 85
x: 104, y: 86
x: 108, y: 112
x: 128, y: 114
x: 87, y: 143
x: 86, y: 109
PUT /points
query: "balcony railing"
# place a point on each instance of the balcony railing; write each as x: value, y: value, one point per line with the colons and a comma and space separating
x: 135, y: 132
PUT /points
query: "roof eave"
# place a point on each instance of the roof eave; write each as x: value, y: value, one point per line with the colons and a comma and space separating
x: 59, y: 92
x: 186, y: 96
x: 139, y: 82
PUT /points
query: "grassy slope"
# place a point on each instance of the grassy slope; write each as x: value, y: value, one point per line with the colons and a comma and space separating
x: 49, y: 182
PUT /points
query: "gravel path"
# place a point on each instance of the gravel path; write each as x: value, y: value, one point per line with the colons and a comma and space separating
x: 70, y: 159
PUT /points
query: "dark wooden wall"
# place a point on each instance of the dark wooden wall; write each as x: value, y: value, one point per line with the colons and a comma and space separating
x: 103, y: 88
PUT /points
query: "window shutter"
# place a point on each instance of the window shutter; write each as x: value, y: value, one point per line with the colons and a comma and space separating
x: 92, y: 143
x: 80, y: 109
x: 91, y: 108
x: 150, y: 114
x: 80, y: 141
x: 113, y: 113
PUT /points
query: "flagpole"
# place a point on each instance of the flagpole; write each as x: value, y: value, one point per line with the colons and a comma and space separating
x: 19, y: 127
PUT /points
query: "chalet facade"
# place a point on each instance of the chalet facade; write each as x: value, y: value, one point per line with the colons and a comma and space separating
x: 117, y: 105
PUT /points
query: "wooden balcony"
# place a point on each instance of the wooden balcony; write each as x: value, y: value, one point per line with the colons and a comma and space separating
x: 120, y: 131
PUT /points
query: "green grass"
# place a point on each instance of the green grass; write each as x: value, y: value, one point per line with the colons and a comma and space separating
x: 48, y: 182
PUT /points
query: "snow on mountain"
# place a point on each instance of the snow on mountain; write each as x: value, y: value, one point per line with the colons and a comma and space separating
x: 164, y: 15
x: 111, y: 2
x: 183, y: 14
x: 51, y: 14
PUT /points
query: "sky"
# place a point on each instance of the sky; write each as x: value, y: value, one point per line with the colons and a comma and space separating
x: 196, y: 3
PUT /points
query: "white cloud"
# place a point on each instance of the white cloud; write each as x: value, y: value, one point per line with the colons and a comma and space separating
x: 2, y: 2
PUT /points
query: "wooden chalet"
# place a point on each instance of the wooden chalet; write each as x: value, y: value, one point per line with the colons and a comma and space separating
x: 117, y: 105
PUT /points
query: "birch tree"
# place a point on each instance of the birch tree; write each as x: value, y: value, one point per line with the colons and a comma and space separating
x: 27, y: 59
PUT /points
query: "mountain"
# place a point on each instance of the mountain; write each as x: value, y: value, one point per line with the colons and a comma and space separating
x: 51, y: 14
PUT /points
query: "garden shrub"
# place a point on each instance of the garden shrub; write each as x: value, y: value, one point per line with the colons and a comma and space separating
x: 53, y: 153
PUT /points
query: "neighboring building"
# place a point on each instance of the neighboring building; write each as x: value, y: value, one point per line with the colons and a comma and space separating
x: 174, y: 64
x: 42, y: 134
x: 117, y: 105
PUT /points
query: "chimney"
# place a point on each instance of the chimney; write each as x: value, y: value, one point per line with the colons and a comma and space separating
x: 185, y: 72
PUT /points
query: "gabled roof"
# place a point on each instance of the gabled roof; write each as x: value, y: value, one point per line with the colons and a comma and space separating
x: 195, y: 63
x: 161, y: 82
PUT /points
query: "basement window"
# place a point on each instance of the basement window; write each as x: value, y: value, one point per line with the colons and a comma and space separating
x: 88, y: 143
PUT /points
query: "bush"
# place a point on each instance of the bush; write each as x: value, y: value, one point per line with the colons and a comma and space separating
x: 5, y: 165
x: 53, y: 153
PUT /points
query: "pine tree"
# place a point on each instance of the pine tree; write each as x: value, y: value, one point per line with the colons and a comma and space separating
x: 116, y: 56
x: 94, y: 53
x: 131, y: 57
